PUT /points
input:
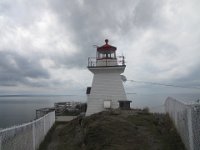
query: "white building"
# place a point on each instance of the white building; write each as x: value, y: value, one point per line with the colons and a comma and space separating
x: 107, y: 87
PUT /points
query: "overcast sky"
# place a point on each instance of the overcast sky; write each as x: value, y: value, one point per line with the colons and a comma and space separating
x: 45, y: 44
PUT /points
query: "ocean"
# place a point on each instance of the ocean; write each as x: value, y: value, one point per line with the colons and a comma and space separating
x: 18, y: 109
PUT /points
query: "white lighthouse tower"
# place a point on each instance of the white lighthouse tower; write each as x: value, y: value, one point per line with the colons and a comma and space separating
x: 107, y: 89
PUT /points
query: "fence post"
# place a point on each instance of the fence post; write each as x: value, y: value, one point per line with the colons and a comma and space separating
x: 190, y: 131
x: 33, y: 130
x: 0, y: 142
x: 44, y: 119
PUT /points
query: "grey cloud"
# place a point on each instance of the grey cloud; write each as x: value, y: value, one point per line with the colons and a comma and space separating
x: 88, y: 21
x: 192, y: 79
x: 16, y: 69
x: 147, y: 13
x: 22, y: 13
x: 163, y: 49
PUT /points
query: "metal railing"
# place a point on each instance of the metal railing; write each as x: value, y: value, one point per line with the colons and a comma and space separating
x: 103, y: 62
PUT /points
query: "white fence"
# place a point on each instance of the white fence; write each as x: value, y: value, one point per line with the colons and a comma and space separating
x: 26, y: 136
x: 186, y: 117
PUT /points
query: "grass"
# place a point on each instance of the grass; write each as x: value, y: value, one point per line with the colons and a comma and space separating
x: 160, y: 127
x: 49, y: 137
x: 115, y: 130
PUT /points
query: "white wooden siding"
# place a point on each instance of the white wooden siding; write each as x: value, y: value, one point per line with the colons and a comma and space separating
x: 107, y: 85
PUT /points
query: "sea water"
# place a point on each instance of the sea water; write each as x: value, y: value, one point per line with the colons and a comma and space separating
x: 19, y: 109
x: 155, y: 102
x: 15, y: 110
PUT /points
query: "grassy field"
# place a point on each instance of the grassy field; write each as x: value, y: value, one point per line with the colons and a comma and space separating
x: 115, y: 130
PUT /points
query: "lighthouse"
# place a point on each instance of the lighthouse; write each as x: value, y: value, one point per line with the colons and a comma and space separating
x: 107, y: 90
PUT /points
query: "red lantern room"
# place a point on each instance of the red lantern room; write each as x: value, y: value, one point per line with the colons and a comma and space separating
x: 106, y: 57
x: 106, y: 51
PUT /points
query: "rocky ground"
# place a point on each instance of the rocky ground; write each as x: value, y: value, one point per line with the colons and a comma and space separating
x: 115, y: 130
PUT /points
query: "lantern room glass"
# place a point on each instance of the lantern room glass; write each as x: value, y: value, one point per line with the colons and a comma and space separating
x: 106, y: 55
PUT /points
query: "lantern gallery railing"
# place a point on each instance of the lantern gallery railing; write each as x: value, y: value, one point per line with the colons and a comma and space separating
x: 102, y: 62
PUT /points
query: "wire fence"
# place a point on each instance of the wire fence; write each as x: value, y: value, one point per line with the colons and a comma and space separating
x: 26, y: 136
x: 186, y: 117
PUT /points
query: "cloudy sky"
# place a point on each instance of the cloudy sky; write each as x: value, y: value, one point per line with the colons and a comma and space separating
x: 44, y: 44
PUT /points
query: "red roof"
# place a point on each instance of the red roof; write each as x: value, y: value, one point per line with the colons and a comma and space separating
x: 106, y: 47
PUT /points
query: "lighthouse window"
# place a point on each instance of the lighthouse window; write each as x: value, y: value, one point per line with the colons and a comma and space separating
x: 102, y: 56
x: 106, y: 55
x: 112, y: 55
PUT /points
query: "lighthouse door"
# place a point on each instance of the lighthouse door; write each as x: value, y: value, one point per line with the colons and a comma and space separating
x: 107, y: 104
